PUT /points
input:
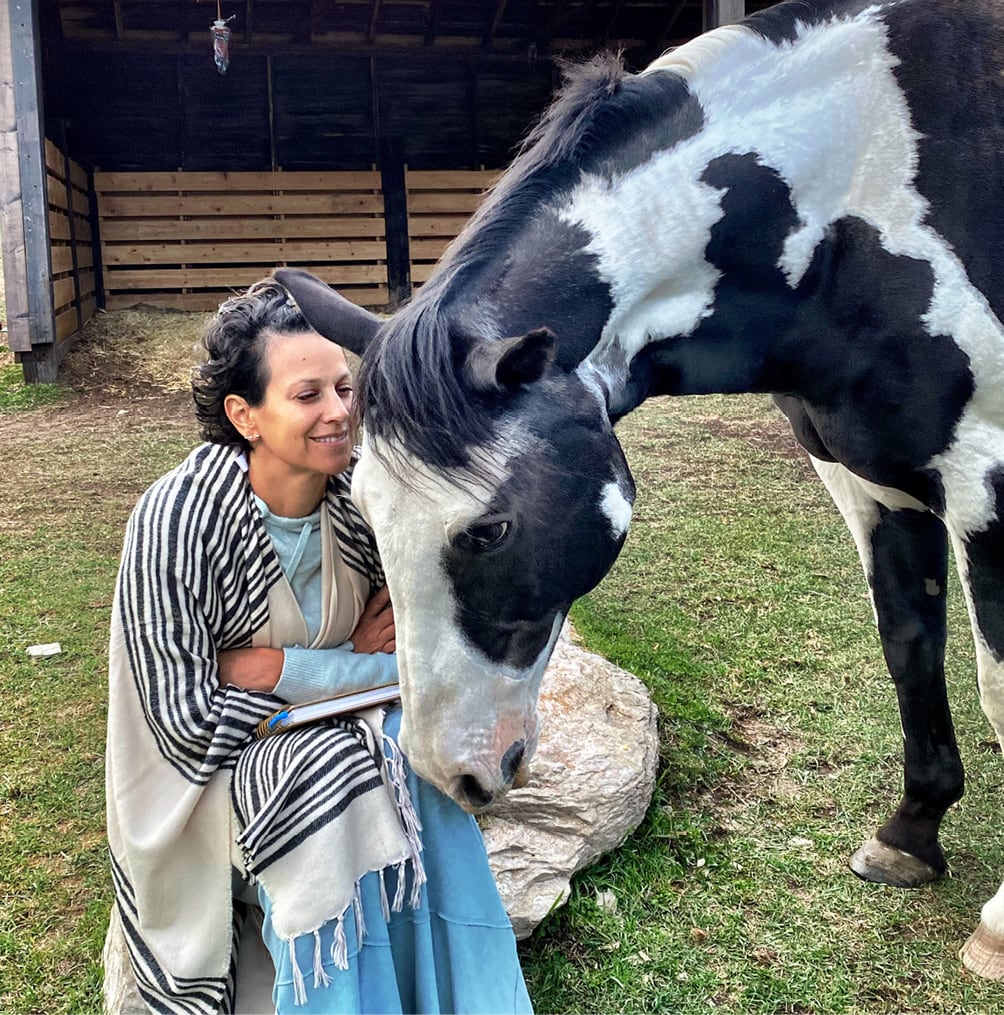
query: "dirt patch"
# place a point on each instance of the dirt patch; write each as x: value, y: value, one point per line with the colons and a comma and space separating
x: 774, y: 437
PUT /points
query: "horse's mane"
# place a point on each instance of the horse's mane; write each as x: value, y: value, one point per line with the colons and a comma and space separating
x: 411, y: 371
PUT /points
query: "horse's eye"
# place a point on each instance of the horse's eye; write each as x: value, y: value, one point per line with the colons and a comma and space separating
x: 482, y: 537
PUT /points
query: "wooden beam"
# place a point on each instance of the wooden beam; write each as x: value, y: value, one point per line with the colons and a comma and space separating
x: 435, y: 15
x: 374, y: 18
x: 723, y: 12
x: 488, y: 39
x: 41, y: 358
x: 614, y: 15
x: 674, y: 15
x: 395, y: 199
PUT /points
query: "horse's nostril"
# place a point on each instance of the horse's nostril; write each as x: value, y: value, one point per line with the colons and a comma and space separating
x: 472, y: 790
x: 511, y: 761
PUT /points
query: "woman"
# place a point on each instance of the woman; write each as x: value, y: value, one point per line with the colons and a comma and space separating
x: 248, y: 580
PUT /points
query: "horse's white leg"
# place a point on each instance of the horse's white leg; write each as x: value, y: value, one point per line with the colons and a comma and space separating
x: 904, y: 553
x: 983, y: 953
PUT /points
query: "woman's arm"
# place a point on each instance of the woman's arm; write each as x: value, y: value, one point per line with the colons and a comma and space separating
x: 299, y: 674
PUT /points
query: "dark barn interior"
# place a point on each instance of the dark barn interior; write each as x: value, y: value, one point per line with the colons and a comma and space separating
x: 315, y: 84
x: 141, y: 165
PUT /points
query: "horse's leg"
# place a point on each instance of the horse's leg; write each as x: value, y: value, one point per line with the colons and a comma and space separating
x: 904, y: 552
x: 981, y: 567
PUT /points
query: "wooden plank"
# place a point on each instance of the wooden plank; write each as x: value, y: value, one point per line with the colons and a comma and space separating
x: 204, y: 278
x: 66, y: 323
x: 41, y: 363
x: 17, y: 333
x: 437, y: 225
x: 451, y: 179
x: 62, y: 259
x: 429, y: 202
x: 56, y: 192
x: 150, y: 206
x: 370, y: 296
x: 429, y: 250
x: 53, y: 158
x: 142, y: 230
x: 263, y: 253
x: 78, y: 176
x: 222, y: 182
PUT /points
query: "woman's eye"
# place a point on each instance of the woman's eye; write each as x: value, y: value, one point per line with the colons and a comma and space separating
x: 482, y: 537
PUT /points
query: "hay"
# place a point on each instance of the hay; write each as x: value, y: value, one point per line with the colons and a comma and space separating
x: 126, y: 350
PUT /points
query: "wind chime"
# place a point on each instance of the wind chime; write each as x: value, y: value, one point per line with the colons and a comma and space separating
x: 220, y: 32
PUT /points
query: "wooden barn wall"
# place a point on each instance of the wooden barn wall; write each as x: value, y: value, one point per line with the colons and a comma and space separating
x: 186, y: 240
x: 134, y: 112
x: 74, y: 282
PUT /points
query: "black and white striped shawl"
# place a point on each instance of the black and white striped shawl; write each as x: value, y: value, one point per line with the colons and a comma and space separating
x: 195, y: 574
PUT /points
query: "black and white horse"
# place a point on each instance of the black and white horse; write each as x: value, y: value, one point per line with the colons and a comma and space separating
x: 810, y: 204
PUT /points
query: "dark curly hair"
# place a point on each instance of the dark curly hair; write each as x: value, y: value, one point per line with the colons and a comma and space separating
x: 235, y: 349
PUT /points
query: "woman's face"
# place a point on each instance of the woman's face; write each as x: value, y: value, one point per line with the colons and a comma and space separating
x: 304, y: 418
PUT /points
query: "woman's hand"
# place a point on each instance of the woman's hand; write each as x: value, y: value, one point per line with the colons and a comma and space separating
x: 252, y: 669
x: 375, y: 630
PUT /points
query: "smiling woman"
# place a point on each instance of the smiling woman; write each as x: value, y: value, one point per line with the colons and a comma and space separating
x: 249, y: 581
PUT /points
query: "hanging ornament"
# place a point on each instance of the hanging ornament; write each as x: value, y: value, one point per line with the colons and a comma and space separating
x: 220, y: 32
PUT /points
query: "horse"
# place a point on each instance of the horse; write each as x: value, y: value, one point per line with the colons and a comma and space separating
x: 806, y: 205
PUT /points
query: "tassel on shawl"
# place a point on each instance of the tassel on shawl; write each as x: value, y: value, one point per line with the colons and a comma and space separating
x: 395, y: 765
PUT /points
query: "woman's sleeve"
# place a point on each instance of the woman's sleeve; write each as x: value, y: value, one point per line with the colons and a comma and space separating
x: 311, y: 673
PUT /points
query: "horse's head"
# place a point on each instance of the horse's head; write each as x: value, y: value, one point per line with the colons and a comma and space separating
x: 484, y: 559
x: 497, y: 499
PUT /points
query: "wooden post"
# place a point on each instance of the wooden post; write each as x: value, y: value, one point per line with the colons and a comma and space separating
x: 723, y: 12
x: 25, y: 216
x: 395, y: 211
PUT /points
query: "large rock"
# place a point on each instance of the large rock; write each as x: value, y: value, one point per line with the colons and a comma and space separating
x: 591, y: 782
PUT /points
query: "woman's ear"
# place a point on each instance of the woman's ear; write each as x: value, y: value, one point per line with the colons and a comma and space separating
x: 240, y: 415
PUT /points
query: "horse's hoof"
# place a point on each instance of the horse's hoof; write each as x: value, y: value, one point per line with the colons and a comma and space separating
x: 886, y: 865
x: 983, y: 954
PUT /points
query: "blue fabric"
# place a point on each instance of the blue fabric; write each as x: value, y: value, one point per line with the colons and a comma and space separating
x: 455, y: 953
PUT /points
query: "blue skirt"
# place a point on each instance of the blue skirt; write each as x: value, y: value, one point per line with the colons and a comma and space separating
x: 455, y: 953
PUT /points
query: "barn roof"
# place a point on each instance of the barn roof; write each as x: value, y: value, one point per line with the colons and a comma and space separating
x: 520, y: 29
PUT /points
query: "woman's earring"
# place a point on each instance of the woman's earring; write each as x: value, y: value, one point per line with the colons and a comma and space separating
x: 252, y: 437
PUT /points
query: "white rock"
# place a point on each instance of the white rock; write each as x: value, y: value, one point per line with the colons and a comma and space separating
x: 592, y: 779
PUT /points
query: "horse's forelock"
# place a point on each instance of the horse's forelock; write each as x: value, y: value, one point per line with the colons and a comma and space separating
x: 413, y: 397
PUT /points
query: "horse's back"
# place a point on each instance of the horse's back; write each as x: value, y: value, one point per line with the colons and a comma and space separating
x: 949, y: 63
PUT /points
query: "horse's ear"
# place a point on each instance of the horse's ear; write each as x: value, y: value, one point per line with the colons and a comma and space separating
x: 510, y: 362
x: 327, y: 312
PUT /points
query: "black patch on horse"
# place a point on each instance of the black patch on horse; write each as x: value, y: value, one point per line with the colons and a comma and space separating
x: 882, y: 395
x: 779, y: 24
x: 985, y: 553
x: 960, y: 172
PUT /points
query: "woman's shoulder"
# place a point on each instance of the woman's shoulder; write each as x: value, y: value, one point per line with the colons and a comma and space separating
x: 209, y: 472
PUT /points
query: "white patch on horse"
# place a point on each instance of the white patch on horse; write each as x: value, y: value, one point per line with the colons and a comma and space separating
x: 414, y: 521
x: 617, y: 508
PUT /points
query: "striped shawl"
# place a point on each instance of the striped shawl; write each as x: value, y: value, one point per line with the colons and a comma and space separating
x: 189, y: 793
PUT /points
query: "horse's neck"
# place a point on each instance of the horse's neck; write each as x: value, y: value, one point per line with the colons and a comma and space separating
x: 820, y: 118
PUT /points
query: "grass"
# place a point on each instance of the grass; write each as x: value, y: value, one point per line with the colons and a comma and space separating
x: 737, y: 600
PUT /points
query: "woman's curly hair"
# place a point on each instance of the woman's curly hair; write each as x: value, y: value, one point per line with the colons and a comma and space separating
x: 235, y: 356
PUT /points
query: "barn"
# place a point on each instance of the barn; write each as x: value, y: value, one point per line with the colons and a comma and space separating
x: 166, y: 153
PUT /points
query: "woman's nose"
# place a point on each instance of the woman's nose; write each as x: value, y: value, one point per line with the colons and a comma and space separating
x: 335, y: 407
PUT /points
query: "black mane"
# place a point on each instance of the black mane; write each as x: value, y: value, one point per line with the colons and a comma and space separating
x: 410, y: 370
x: 603, y: 120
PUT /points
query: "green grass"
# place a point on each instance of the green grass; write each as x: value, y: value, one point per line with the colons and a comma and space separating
x: 15, y: 394
x: 738, y: 600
